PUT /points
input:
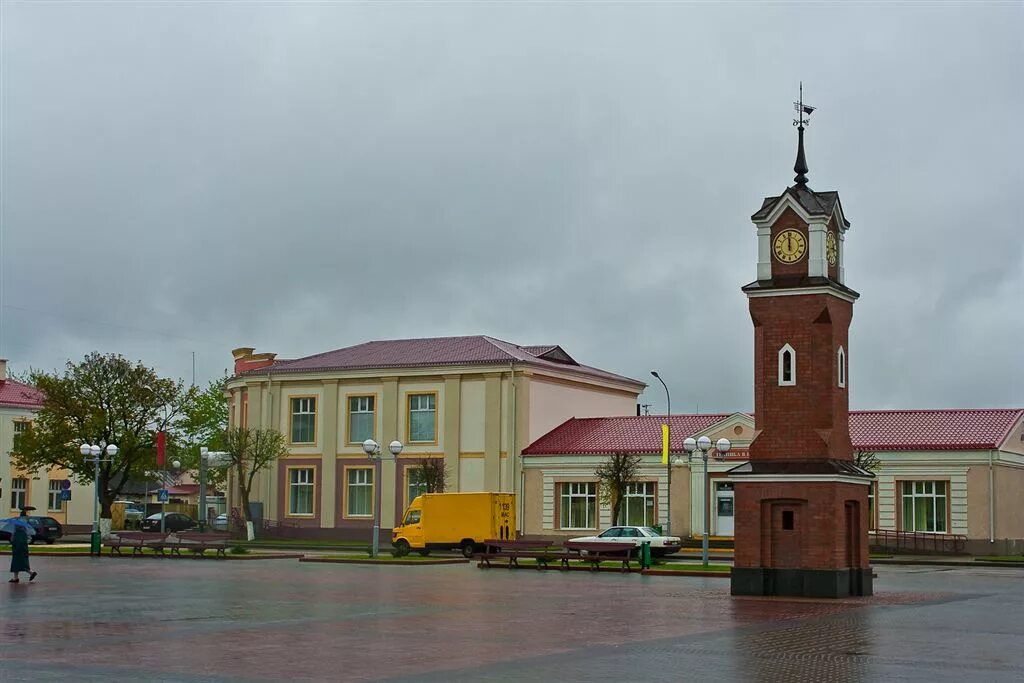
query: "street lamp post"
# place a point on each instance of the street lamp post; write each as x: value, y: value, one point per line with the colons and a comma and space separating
x: 176, y: 464
x: 703, y: 444
x: 373, y: 451
x: 668, y: 498
x: 95, y: 451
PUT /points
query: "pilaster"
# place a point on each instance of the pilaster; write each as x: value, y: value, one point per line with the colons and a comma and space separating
x: 389, y: 416
x: 492, y: 431
x: 329, y: 450
x: 452, y: 418
x: 817, y: 264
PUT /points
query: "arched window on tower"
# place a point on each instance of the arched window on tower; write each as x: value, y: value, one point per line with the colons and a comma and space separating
x: 841, y: 360
x: 787, y: 366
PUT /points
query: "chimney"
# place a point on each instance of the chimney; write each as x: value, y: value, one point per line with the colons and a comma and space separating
x: 3, y: 369
x: 246, y: 360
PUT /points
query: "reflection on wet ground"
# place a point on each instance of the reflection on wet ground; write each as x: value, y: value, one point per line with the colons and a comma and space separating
x: 144, y: 619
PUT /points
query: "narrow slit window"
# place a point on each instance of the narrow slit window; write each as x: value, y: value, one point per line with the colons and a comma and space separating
x: 787, y: 366
x: 841, y: 360
x: 787, y: 520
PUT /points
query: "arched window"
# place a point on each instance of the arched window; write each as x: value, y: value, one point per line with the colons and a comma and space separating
x: 841, y: 360
x: 787, y: 366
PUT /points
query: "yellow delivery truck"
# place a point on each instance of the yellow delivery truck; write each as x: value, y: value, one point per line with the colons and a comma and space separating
x: 455, y: 520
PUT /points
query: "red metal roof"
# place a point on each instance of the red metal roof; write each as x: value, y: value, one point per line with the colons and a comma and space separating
x: 877, y: 430
x: 434, y: 352
x: 931, y: 430
x: 632, y: 434
x: 17, y: 395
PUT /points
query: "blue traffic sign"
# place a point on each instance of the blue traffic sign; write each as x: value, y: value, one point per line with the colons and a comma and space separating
x: 65, y: 494
x: 65, y: 484
x: 162, y: 496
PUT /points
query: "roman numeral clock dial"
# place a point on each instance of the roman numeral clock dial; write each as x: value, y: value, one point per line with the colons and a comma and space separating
x: 789, y: 246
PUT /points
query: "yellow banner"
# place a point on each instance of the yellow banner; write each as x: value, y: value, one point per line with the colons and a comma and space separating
x: 664, y: 444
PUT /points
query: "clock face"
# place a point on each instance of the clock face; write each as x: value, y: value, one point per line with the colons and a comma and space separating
x: 831, y: 249
x: 789, y: 246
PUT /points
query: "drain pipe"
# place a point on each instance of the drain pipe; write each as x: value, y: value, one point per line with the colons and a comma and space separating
x: 517, y: 458
x: 991, y: 500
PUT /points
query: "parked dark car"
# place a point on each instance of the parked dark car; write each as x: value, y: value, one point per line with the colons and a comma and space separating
x: 176, y: 521
x: 47, y: 529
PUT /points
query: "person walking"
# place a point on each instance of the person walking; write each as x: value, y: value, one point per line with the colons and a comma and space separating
x: 19, y: 550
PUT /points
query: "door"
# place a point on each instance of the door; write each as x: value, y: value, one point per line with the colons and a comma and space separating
x: 412, y: 528
x: 724, y: 510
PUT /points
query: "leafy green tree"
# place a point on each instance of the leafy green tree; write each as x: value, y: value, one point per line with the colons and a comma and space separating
x: 204, y: 421
x: 615, y: 475
x: 250, y: 450
x: 104, y: 399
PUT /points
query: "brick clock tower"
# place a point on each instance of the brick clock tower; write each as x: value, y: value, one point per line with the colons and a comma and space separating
x: 801, y: 502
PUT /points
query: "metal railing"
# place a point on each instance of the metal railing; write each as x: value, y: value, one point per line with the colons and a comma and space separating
x: 916, y: 542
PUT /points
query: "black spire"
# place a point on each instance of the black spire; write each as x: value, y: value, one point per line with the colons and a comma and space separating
x: 800, y: 167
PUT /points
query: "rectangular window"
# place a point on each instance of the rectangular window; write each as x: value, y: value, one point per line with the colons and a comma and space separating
x: 359, y: 492
x: 578, y: 505
x: 19, y: 492
x: 304, y: 420
x: 361, y: 418
x: 20, y: 426
x: 638, y: 504
x: 300, y: 491
x: 924, y: 506
x: 53, y: 501
x: 422, y: 418
x: 787, y: 520
x: 414, y: 484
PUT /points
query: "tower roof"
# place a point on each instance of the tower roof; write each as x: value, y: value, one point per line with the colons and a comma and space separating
x: 814, y: 203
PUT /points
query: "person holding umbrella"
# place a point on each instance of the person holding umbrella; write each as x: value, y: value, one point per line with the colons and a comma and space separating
x: 20, y: 531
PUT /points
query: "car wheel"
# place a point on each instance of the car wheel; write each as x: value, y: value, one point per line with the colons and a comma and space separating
x: 468, y: 548
x: 401, y: 547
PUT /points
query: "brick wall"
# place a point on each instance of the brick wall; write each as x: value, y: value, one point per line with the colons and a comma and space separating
x: 807, y: 421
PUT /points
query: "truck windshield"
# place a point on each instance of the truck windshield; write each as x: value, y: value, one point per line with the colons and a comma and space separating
x: 412, y: 517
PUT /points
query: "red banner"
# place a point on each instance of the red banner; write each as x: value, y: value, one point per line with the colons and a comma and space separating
x: 161, y: 448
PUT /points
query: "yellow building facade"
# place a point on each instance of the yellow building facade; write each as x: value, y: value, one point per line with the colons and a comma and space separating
x: 474, y: 402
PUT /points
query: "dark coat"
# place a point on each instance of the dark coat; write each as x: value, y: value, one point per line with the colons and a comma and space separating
x: 19, y: 551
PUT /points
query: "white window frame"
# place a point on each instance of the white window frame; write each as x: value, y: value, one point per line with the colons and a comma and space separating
x: 302, y: 405
x: 364, y: 479
x: 924, y: 490
x: 301, y: 478
x: 841, y: 359
x: 639, y: 492
x: 419, y: 399
x: 53, y: 496
x: 570, y: 490
x: 20, y: 426
x: 19, y: 492
x: 364, y: 405
x: 783, y: 382
x: 412, y: 481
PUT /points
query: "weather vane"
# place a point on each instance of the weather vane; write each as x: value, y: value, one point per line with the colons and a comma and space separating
x: 802, y: 110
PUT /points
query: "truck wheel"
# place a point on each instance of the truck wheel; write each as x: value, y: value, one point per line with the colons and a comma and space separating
x: 401, y: 547
x: 424, y: 552
x: 468, y: 548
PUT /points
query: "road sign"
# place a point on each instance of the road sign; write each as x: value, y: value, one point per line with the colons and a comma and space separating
x: 162, y: 496
x: 65, y: 494
x: 65, y: 484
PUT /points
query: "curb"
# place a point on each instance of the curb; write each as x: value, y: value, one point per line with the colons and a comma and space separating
x: 294, y: 556
x: 685, y: 572
x: 949, y: 563
x: 403, y: 563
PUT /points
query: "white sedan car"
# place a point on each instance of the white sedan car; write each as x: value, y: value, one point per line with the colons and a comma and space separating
x: 660, y: 545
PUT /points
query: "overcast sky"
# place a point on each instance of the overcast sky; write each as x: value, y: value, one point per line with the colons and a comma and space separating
x: 300, y: 177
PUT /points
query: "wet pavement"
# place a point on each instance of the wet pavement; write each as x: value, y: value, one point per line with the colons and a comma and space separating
x: 89, y: 619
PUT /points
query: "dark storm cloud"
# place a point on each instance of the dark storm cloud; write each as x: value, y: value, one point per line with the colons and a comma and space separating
x: 184, y: 177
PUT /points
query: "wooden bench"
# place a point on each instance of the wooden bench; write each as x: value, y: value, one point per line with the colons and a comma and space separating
x: 597, y: 552
x: 198, y: 542
x: 514, y: 550
x: 136, y: 540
